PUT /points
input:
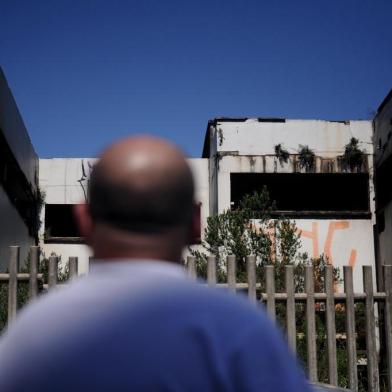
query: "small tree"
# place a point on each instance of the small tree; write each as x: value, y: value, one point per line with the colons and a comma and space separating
x: 251, y: 229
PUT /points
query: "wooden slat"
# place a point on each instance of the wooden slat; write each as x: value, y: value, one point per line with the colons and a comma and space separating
x: 231, y: 272
x: 73, y: 267
x: 311, y: 324
x: 20, y: 276
x: 191, y: 266
x: 33, y: 273
x: 371, y: 348
x: 331, y: 325
x: 350, y: 329
x: 211, y: 270
x: 290, y: 307
x: 53, y: 265
x: 13, y: 283
x: 270, y: 286
x: 251, y: 272
x: 388, y: 320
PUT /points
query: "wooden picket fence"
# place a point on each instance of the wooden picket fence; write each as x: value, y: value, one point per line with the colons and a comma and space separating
x: 330, y: 298
x: 369, y: 297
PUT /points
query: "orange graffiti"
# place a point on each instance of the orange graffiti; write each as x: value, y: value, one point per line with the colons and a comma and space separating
x: 353, y: 258
x: 332, y: 227
x: 313, y: 235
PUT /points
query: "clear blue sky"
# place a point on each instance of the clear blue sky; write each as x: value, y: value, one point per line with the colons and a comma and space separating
x: 86, y: 72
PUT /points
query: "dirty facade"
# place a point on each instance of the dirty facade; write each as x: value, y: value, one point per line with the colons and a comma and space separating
x: 332, y: 203
x: 303, y: 165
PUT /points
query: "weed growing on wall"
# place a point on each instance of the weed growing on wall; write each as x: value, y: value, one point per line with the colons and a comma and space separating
x: 306, y: 158
x: 281, y: 154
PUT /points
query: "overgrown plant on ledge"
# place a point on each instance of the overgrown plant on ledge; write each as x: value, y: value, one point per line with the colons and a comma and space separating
x: 281, y: 154
x: 353, y: 157
x: 306, y: 158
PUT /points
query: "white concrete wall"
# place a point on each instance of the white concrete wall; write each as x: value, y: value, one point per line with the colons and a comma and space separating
x: 65, y: 181
x: 199, y: 169
x: 343, y: 241
x: 326, y: 138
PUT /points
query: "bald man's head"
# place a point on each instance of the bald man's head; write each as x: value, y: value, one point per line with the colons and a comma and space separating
x: 142, y: 185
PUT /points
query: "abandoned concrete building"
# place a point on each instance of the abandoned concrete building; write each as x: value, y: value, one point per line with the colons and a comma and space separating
x: 18, y: 180
x: 302, y: 164
x: 341, y: 203
x: 331, y: 201
x: 64, y: 183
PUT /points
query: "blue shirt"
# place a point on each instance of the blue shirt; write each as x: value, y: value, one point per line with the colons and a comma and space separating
x: 144, y: 326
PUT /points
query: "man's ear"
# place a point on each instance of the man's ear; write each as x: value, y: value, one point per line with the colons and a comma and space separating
x: 83, y: 221
x: 195, y: 232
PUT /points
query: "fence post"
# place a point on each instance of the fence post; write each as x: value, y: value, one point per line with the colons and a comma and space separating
x: 331, y: 325
x: 371, y: 348
x: 270, y: 288
x: 211, y: 270
x: 52, y: 278
x: 73, y: 267
x: 33, y: 283
x: 13, y: 283
x: 388, y: 320
x: 290, y: 307
x: 191, y: 266
x: 311, y: 324
x: 231, y: 272
x: 251, y: 272
x: 350, y: 328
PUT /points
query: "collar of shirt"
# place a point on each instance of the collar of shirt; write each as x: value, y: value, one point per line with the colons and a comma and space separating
x: 137, y: 267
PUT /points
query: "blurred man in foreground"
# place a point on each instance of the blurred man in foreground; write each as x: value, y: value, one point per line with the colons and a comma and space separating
x: 136, y: 322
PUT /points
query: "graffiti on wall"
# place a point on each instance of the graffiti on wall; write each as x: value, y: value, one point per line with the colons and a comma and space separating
x: 335, y: 228
x: 344, y: 242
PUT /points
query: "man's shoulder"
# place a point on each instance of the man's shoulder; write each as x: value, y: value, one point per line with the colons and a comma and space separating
x: 198, y: 306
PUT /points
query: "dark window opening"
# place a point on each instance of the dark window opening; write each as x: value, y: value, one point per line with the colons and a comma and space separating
x: 323, y: 195
x: 60, y: 225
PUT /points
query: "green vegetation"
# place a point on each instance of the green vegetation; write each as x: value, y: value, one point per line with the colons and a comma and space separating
x: 306, y: 158
x: 282, y: 154
x: 353, y: 158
